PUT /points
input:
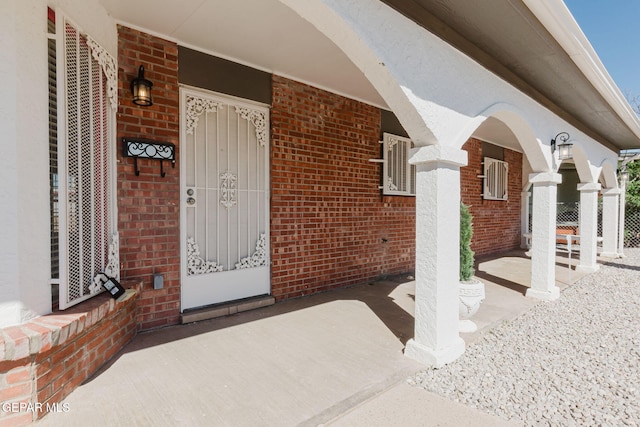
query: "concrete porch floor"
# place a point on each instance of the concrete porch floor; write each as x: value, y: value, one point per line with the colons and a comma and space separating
x: 334, y: 358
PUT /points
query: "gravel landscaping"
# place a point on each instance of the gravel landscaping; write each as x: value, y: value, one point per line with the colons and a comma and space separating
x: 570, y: 362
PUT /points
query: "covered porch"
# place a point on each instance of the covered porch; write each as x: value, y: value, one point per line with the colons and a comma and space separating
x: 311, y: 87
x: 334, y: 358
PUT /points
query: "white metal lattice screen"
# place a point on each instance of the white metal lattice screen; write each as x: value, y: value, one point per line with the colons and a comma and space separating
x: 399, y: 175
x: 496, y: 174
x: 84, y: 159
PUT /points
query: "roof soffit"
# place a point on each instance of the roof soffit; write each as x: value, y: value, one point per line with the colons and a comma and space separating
x: 507, y: 38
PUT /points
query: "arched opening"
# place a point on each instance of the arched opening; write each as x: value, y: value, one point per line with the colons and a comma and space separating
x: 500, y: 139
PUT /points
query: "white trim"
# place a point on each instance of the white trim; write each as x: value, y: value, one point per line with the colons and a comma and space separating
x: 557, y: 19
x: 197, y: 92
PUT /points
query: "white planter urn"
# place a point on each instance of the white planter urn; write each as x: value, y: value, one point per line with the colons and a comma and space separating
x: 471, y: 295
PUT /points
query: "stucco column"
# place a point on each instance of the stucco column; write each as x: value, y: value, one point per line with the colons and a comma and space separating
x: 610, y: 202
x: 436, y: 340
x: 543, y: 239
x: 588, y: 227
x: 524, y: 218
x: 25, y: 250
x: 623, y: 204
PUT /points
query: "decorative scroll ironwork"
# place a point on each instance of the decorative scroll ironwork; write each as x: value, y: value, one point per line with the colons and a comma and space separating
x: 112, y: 269
x: 259, y: 120
x: 113, y: 258
x: 258, y: 258
x: 391, y: 142
x: 195, y: 107
x: 141, y: 148
x: 109, y: 68
x: 196, y: 264
x: 228, y: 190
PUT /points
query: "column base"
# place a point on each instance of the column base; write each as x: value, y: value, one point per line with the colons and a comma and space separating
x: 467, y: 326
x: 610, y: 255
x: 432, y: 358
x: 587, y: 268
x: 549, y: 295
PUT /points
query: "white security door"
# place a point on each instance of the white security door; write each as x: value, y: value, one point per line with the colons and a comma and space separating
x: 224, y: 199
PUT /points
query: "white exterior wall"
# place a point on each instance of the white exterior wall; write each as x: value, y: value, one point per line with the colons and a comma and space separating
x: 24, y: 179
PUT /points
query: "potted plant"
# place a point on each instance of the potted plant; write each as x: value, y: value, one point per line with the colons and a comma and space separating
x: 471, y: 289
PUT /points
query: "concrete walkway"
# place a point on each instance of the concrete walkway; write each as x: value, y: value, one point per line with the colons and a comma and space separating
x: 330, y: 359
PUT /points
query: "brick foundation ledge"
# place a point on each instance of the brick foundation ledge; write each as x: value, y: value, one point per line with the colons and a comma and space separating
x: 44, y: 360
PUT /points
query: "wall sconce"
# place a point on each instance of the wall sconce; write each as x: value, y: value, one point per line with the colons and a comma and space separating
x: 564, y: 149
x: 141, y: 89
x: 624, y: 175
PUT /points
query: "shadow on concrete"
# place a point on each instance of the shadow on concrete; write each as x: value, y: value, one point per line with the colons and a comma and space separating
x: 482, y: 275
x: 377, y: 295
x: 622, y: 266
x: 498, y: 280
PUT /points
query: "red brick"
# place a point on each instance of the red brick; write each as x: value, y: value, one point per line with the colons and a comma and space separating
x: 138, y: 196
x: 18, y: 375
x: 14, y: 392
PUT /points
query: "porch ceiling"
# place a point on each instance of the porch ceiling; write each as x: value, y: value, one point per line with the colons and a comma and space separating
x: 505, y: 37
x: 264, y: 34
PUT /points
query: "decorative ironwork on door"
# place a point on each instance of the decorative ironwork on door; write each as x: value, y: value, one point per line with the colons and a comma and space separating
x: 226, y: 186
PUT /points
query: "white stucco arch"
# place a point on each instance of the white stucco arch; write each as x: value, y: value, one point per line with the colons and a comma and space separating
x: 434, y: 89
x: 608, y: 175
x: 360, y: 49
x: 585, y: 169
x: 516, y: 121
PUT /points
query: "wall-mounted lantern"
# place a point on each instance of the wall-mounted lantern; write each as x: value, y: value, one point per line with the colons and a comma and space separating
x: 141, y: 89
x: 564, y: 148
x: 624, y: 175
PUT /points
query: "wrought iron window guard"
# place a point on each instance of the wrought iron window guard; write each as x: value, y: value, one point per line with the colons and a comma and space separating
x: 146, y: 149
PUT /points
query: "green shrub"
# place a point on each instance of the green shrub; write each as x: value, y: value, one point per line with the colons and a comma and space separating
x: 466, y: 254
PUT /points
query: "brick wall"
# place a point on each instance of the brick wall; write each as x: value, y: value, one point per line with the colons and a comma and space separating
x: 330, y: 227
x: 44, y: 360
x: 148, y: 205
x: 496, y: 223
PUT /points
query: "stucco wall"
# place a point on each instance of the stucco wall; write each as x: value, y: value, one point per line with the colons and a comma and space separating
x: 25, y: 249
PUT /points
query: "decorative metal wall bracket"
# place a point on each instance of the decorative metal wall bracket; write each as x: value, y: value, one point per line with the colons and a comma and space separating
x: 146, y: 149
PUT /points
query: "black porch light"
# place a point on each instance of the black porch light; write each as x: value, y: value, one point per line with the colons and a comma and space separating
x: 564, y: 148
x: 141, y: 89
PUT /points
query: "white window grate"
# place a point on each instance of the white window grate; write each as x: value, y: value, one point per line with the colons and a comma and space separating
x: 496, y: 179
x: 399, y: 177
x: 85, y: 166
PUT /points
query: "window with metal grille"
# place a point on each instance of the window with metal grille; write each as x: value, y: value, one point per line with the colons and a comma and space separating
x: 496, y: 179
x: 399, y: 177
x: 82, y: 82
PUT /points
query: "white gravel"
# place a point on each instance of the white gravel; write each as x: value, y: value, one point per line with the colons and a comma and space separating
x: 570, y: 362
